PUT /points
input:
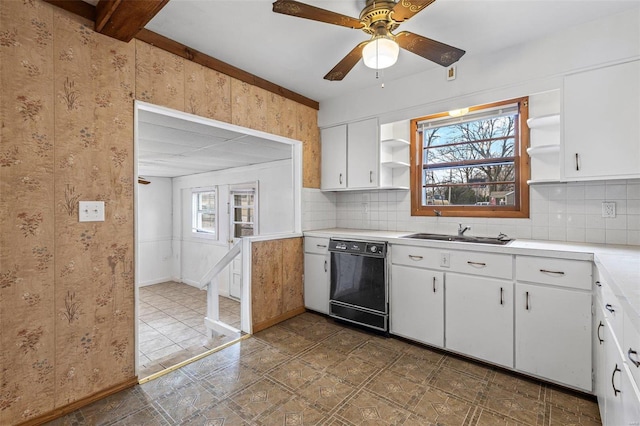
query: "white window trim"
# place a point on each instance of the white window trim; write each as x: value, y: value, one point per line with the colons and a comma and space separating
x: 205, y: 234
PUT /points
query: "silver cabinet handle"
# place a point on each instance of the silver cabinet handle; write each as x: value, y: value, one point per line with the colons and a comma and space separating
x: 598, y: 284
x: 577, y: 162
x: 481, y: 264
x: 434, y: 284
x: 501, y: 296
x: 370, y: 176
x: 547, y: 271
x: 414, y: 257
x: 526, y: 303
x: 325, y: 266
x: 609, y: 308
x: 340, y: 179
x: 633, y: 361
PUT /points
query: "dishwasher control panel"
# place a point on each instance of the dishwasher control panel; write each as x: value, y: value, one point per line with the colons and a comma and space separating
x: 364, y: 248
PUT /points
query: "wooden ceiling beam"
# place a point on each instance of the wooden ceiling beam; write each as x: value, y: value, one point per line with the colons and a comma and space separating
x: 87, y: 11
x: 123, y: 19
x: 193, y: 55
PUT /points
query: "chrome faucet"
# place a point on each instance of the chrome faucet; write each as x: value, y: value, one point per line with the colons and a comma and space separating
x: 462, y: 230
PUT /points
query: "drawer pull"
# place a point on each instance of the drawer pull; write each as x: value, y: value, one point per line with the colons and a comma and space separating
x: 434, y: 284
x: 501, y: 296
x: 480, y: 264
x: 325, y: 266
x: 546, y: 271
x: 613, y: 385
x: 414, y: 257
x: 321, y: 245
x: 634, y: 361
x: 526, y: 301
x: 609, y: 308
x: 598, y: 332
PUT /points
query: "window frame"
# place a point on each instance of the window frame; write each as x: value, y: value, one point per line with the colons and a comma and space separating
x: 521, y: 164
x: 198, y: 232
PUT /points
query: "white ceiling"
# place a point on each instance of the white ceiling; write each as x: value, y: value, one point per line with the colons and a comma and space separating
x: 171, y: 147
x: 296, y: 53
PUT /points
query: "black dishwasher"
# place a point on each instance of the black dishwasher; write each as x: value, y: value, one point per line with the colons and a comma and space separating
x: 359, y: 290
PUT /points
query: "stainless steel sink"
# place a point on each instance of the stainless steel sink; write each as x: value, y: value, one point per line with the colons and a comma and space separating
x: 501, y: 240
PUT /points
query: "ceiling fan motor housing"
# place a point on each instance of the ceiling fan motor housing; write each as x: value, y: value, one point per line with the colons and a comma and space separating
x: 377, y: 14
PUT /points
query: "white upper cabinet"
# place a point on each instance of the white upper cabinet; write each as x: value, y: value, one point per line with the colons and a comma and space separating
x: 601, y: 138
x: 362, y: 154
x: 334, y: 158
x: 350, y: 156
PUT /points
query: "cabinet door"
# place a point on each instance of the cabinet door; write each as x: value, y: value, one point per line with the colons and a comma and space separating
x: 316, y: 282
x: 601, y: 334
x: 363, y: 151
x: 553, y: 334
x: 416, y: 304
x: 334, y: 157
x: 601, y: 126
x: 479, y: 317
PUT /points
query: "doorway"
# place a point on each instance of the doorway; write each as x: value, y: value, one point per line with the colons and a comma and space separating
x: 176, y: 152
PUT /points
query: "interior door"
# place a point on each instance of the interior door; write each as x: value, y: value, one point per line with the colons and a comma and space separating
x: 243, y: 201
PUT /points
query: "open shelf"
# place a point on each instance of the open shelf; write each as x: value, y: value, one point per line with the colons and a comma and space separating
x: 395, y: 164
x: 548, y: 120
x: 395, y: 143
x: 543, y: 150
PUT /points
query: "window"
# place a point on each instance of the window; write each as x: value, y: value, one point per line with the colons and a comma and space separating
x: 243, y: 208
x: 472, y: 165
x: 204, y: 212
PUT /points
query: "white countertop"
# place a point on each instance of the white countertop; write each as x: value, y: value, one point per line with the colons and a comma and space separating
x: 620, y: 265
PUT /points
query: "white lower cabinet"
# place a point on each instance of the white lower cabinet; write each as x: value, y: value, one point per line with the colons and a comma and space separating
x: 416, y: 304
x: 317, y: 274
x: 479, y: 317
x: 615, y: 385
x: 553, y: 334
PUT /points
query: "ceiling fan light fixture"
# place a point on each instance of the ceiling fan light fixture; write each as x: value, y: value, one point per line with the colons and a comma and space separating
x: 381, y: 52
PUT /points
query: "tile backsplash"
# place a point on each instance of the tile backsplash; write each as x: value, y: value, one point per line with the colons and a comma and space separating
x: 559, y: 212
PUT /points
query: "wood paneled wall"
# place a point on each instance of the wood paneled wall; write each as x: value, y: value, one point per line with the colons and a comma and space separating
x: 276, y: 281
x: 67, y: 288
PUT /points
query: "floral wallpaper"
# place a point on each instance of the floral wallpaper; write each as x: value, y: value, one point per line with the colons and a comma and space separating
x: 66, y: 288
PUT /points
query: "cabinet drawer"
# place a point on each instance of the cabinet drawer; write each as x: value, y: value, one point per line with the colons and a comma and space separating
x: 485, y: 264
x: 316, y: 245
x: 612, y: 311
x: 561, y: 272
x: 631, y: 348
x: 421, y: 257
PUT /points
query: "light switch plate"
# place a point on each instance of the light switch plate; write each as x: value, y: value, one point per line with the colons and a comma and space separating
x: 91, y: 211
x: 608, y: 209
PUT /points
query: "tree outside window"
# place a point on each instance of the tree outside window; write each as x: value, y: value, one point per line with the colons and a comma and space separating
x: 474, y: 165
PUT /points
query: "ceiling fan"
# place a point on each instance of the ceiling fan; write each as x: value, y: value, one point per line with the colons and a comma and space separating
x: 378, y: 19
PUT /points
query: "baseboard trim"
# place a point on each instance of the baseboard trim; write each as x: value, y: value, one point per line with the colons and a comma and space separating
x: 273, y: 321
x: 69, y: 408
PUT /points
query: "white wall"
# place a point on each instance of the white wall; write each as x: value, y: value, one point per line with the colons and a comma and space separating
x: 522, y: 70
x: 195, y: 255
x: 155, y: 231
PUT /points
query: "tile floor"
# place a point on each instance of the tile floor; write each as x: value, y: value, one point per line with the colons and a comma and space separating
x: 311, y: 370
x: 171, y: 325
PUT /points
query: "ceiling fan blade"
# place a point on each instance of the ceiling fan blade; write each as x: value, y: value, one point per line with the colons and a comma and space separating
x: 346, y: 64
x: 405, y: 9
x: 432, y: 50
x: 301, y: 10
